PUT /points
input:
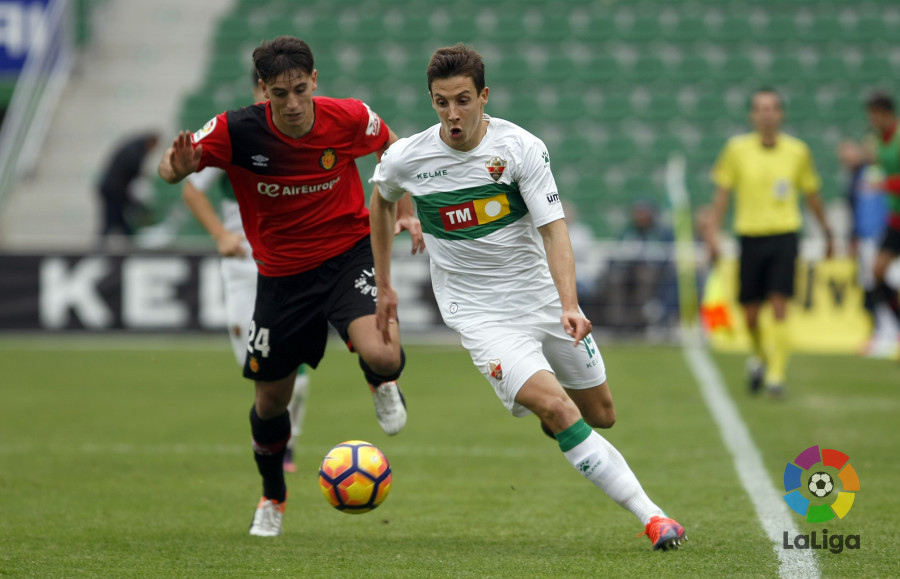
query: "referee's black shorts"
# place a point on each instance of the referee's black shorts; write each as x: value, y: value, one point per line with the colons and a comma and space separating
x: 767, y: 266
x: 292, y: 313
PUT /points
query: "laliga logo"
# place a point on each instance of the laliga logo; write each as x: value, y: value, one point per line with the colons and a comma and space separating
x: 817, y: 473
x: 820, y: 484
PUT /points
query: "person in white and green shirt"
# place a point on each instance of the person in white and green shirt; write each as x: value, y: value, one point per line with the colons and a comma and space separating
x: 503, y: 272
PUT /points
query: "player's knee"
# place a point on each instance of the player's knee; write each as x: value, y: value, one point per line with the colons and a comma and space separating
x: 383, y: 365
x: 558, y: 412
x: 271, y: 399
x: 601, y: 418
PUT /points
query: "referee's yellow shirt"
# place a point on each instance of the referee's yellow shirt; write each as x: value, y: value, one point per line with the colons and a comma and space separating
x: 766, y: 182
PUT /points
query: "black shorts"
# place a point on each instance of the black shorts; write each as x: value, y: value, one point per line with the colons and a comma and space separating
x: 891, y: 241
x: 292, y: 313
x: 768, y: 265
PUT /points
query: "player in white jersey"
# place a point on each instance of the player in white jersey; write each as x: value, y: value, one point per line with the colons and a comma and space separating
x: 503, y: 272
x: 239, y: 273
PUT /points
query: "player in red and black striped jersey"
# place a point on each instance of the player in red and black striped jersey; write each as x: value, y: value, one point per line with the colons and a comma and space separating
x: 291, y: 162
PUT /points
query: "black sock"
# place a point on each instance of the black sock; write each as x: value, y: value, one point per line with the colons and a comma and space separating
x: 270, y: 438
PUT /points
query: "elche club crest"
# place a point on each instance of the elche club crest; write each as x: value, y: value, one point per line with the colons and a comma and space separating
x: 495, y: 370
x: 495, y: 166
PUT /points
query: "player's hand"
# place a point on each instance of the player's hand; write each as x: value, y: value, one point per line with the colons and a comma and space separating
x: 184, y: 158
x: 414, y: 227
x: 576, y: 325
x: 231, y: 245
x: 386, y: 313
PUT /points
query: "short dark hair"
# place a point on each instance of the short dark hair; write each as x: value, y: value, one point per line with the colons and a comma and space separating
x: 880, y: 101
x: 280, y: 55
x: 457, y: 60
x: 766, y: 90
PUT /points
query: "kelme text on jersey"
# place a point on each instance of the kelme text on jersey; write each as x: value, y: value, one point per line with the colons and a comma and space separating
x: 431, y: 174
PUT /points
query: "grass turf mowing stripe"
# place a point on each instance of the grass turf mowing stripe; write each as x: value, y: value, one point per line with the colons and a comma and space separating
x: 768, y: 503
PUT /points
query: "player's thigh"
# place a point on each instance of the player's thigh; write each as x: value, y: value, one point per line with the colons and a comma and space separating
x: 239, y: 288
x: 288, y: 328
x: 352, y: 292
x: 507, y: 356
x: 782, y: 270
x: 581, y: 371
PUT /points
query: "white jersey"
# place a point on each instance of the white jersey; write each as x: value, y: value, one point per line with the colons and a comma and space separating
x: 479, y: 211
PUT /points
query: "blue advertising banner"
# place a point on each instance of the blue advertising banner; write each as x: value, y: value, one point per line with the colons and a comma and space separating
x: 20, y: 27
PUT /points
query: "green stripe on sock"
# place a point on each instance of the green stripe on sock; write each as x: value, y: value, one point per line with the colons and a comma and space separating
x: 573, y: 435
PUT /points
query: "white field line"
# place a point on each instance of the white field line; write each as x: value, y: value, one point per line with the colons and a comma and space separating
x: 770, y: 507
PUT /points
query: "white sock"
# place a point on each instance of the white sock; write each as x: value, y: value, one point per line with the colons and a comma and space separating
x: 603, y: 465
x: 297, y: 407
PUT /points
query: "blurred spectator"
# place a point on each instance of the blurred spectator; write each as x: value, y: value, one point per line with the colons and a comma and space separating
x: 883, y: 119
x: 643, y: 226
x: 121, y: 209
x: 868, y: 208
x: 640, y: 289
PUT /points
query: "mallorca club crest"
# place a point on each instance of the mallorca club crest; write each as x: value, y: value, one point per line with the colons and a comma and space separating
x: 495, y: 369
x: 496, y: 166
x: 328, y: 159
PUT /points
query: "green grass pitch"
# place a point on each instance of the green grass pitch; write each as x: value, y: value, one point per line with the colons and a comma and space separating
x: 130, y: 457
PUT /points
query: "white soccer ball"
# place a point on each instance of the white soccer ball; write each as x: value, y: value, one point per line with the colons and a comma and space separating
x: 820, y: 484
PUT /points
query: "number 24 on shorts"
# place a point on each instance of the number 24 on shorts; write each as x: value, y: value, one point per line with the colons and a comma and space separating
x: 258, y: 341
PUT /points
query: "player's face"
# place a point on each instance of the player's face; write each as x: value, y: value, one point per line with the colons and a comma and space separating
x: 460, y: 108
x: 880, y: 120
x: 291, y: 98
x: 765, y: 112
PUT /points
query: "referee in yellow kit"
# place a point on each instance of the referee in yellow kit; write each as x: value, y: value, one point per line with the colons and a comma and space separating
x: 767, y: 170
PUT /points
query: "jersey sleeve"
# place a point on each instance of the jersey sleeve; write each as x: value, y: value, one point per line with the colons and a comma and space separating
x: 809, y: 181
x: 724, y: 172
x: 372, y: 134
x: 205, y: 178
x: 216, y: 142
x: 537, y: 185
x: 386, y: 176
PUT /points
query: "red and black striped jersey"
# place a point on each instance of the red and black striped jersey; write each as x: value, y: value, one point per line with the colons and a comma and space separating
x: 301, y: 200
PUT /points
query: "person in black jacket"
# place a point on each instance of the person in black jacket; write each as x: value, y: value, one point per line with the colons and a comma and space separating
x: 124, y: 166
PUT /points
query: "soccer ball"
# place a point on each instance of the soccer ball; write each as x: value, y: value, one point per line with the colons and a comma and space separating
x: 820, y: 484
x: 355, y: 477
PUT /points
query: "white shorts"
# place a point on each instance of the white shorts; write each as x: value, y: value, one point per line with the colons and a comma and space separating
x: 510, y: 352
x: 239, y: 277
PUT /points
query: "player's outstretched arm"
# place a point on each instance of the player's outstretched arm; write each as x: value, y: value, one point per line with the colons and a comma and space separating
x: 180, y: 160
x: 562, y: 267
x: 228, y: 244
x: 383, y: 220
